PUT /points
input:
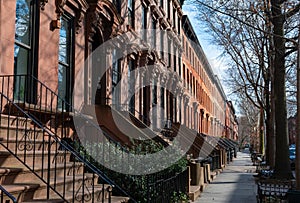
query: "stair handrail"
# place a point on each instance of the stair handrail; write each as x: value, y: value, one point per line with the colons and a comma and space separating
x: 10, y: 196
x: 69, y: 148
x: 64, y: 144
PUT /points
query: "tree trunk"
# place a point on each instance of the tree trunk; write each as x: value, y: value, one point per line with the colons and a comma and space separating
x: 270, y: 141
x: 271, y: 118
x: 297, y: 170
x: 282, y: 168
x: 261, y: 132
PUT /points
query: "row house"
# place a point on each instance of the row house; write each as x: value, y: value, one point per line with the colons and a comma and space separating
x: 231, y: 123
x: 209, y: 100
x: 54, y: 42
x: 135, y: 67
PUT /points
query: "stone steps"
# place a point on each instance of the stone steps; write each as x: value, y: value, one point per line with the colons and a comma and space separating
x: 64, y: 174
x: 14, y: 121
x: 27, y: 144
x: 34, y: 158
x: 17, y: 133
x: 36, y: 189
x: 12, y: 174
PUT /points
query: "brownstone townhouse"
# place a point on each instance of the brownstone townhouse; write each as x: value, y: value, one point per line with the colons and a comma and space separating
x: 129, y: 71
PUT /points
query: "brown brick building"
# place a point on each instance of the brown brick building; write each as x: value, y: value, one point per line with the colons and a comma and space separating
x: 139, y: 58
x: 51, y: 41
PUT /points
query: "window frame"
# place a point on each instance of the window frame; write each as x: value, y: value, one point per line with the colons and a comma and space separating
x: 130, y: 10
x: 32, y: 54
x: 69, y: 66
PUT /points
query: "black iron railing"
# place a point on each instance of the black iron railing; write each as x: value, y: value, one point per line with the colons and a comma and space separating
x: 167, y: 187
x: 272, y: 190
x: 39, y: 132
x: 6, y: 196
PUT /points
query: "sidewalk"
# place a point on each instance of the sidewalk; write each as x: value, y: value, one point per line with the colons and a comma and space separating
x: 234, y: 185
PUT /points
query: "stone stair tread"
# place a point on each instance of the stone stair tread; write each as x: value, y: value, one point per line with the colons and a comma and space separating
x: 31, y: 140
x: 32, y: 128
x: 7, y: 170
x: 4, y: 153
x: 44, y: 201
x: 68, y: 179
x: 116, y: 199
x: 98, y: 188
x: 19, y: 187
x: 5, y: 118
x: 37, y: 152
x: 194, y: 188
x: 119, y: 199
x: 14, y: 169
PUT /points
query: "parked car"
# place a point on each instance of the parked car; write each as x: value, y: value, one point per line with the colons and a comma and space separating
x: 292, y: 157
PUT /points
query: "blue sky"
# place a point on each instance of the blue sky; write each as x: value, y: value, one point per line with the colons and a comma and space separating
x: 212, y: 52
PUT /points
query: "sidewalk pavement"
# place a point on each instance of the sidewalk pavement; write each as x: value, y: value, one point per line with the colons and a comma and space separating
x: 234, y: 185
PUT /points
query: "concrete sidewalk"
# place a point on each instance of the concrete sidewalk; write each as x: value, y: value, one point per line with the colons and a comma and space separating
x: 234, y: 185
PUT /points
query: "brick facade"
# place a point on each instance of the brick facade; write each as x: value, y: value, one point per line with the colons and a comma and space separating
x: 197, y: 99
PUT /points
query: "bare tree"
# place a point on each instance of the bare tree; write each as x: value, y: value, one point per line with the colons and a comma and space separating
x: 259, y: 39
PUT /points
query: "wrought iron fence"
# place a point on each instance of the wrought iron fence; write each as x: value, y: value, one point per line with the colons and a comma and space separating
x: 271, y: 190
x: 163, y: 188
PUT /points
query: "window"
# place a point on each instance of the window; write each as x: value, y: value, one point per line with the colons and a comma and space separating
x: 178, y: 24
x: 169, y: 53
x: 65, y: 56
x: 162, y: 43
x: 154, y: 92
x: 169, y: 9
x: 144, y: 22
x: 116, y: 77
x: 174, y: 17
x: 183, y: 72
x: 175, y: 59
x: 25, y: 49
x: 130, y: 6
x: 154, y: 33
x: 179, y: 65
x: 131, y: 86
x: 117, y: 4
x: 162, y: 103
